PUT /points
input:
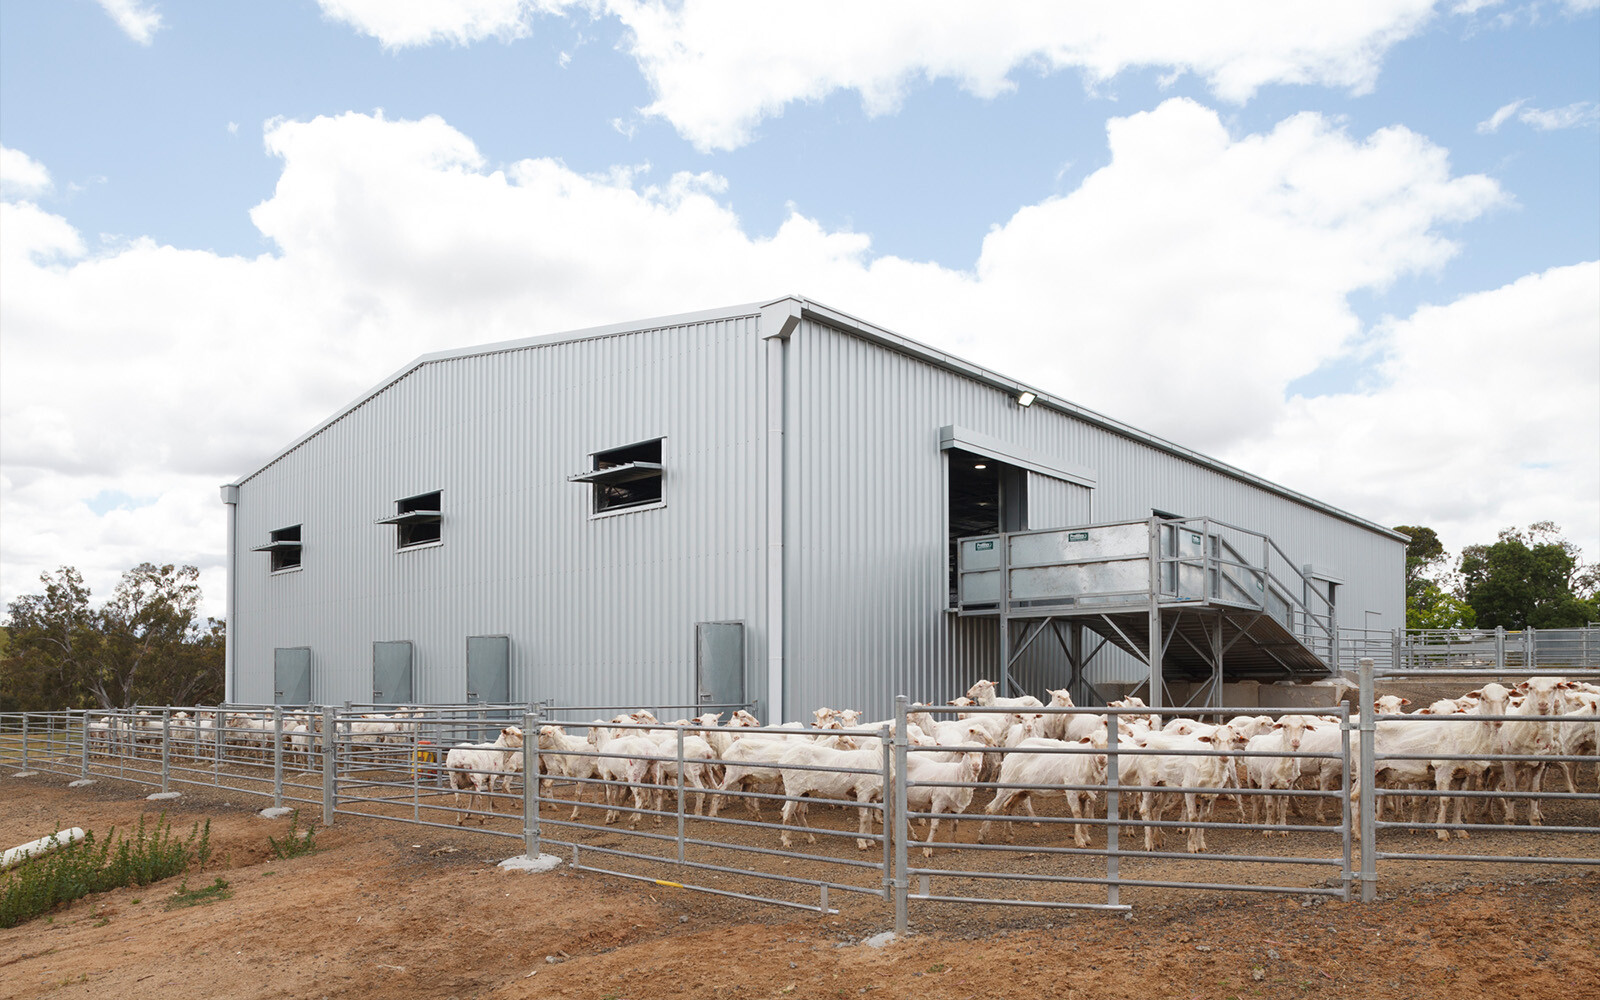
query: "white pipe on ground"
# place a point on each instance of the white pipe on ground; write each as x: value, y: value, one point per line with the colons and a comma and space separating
x: 44, y: 845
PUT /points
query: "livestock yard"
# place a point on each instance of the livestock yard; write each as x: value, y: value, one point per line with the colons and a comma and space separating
x: 1238, y: 899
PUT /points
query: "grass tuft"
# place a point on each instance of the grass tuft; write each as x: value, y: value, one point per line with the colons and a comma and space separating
x: 186, y: 897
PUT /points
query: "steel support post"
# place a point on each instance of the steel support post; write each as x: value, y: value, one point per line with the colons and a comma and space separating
x: 1394, y: 646
x: 330, y: 766
x: 680, y: 794
x: 1344, y: 798
x: 166, y: 746
x: 83, y: 765
x: 886, y: 760
x: 1157, y: 680
x: 24, y: 741
x: 1500, y: 648
x: 1005, y: 620
x: 1113, y: 890
x: 1369, y: 824
x: 530, y: 786
x: 277, y: 756
x: 219, y: 725
x: 1530, y: 655
x: 902, y: 824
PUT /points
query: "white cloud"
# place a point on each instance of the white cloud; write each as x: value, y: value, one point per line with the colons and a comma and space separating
x: 1578, y: 115
x: 1233, y: 257
x: 1494, y: 121
x: 137, y: 19
x: 1488, y: 417
x: 718, y: 67
x: 399, y: 24
x: 21, y: 176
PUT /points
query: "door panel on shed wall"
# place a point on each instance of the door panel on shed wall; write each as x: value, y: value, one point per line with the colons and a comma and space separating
x: 391, y: 672
x: 719, y: 653
x: 291, y: 674
x: 489, y: 669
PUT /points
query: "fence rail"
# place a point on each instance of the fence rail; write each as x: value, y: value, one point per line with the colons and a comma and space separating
x: 671, y: 803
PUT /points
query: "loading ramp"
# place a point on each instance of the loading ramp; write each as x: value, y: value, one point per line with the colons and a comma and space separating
x: 1195, y: 599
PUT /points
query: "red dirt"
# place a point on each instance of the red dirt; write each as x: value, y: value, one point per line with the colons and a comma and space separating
x: 370, y: 914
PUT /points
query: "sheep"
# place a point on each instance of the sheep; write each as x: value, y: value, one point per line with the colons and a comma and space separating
x: 1056, y: 769
x: 477, y: 765
x: 926, y: 791
x: 626, y: 761
x: 564, y: 756
x: 844, y: 775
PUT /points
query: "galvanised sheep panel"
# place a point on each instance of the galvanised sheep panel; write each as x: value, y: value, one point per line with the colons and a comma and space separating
x: 865, y: 547
x: 594, y: 607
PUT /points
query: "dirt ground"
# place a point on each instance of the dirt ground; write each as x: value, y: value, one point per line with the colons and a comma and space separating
x: 383, y: 910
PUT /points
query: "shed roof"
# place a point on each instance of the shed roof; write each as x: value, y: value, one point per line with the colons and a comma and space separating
x: 858, y: 327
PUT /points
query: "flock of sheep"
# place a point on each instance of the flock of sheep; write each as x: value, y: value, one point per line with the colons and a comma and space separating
x: 1021, y: 749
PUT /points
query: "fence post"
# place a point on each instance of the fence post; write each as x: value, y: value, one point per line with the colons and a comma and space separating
x: 1113, y: 890
x: 1500, y: 648
x: 1369, y: 796
x: 530, y: 787
x: 1394, y: 660
x: 219, y: 725
x: 886, y: 775
x: 1344, y: 796
x: 330, y: 766
x: 24, y: 742
x: 902, y: 825
x: 1530, y: 649
x: 166, y: 747
x: 83, y: 766
x: 277, y: 756
x: 680, y: 794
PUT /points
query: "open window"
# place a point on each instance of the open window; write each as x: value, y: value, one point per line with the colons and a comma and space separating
x: 417, y: 520
x: 985, y: 496
x: 625, y: 478
x: 284, y: 548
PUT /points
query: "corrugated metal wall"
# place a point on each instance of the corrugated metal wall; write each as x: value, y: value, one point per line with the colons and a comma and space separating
x: 594, y: 607
x: 602, y: 610
x: 866, y: 549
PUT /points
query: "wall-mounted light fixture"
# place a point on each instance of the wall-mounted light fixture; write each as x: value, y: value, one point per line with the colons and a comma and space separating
x: 1026, y: 398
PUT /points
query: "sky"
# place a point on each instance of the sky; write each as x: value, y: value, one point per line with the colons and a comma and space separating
x: 1353, y: 248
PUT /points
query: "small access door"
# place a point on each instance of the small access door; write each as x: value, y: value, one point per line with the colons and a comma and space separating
x: 488, y: 669
x: 719, y: 662
x: 391, y: 673
x: 291, y: 676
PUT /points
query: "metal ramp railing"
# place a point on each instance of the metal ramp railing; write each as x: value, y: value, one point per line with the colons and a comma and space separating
x: 1187, y: 595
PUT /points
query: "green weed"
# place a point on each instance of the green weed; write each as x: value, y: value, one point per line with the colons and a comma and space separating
x: 89, y: 866
x: 294, y: 843
x: 186, y: 897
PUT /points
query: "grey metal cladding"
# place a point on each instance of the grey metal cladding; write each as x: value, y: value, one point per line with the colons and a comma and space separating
x: 602, y: 609
x: 866, y: 552
x: 594, y: 606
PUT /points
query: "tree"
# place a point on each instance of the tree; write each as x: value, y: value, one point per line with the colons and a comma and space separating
x: 143, y: 646
x: 1529, y: 579
x: 1428, y: 604
x: 51, y: 643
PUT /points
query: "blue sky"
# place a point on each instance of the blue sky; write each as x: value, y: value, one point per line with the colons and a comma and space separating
x: 869, y: 178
